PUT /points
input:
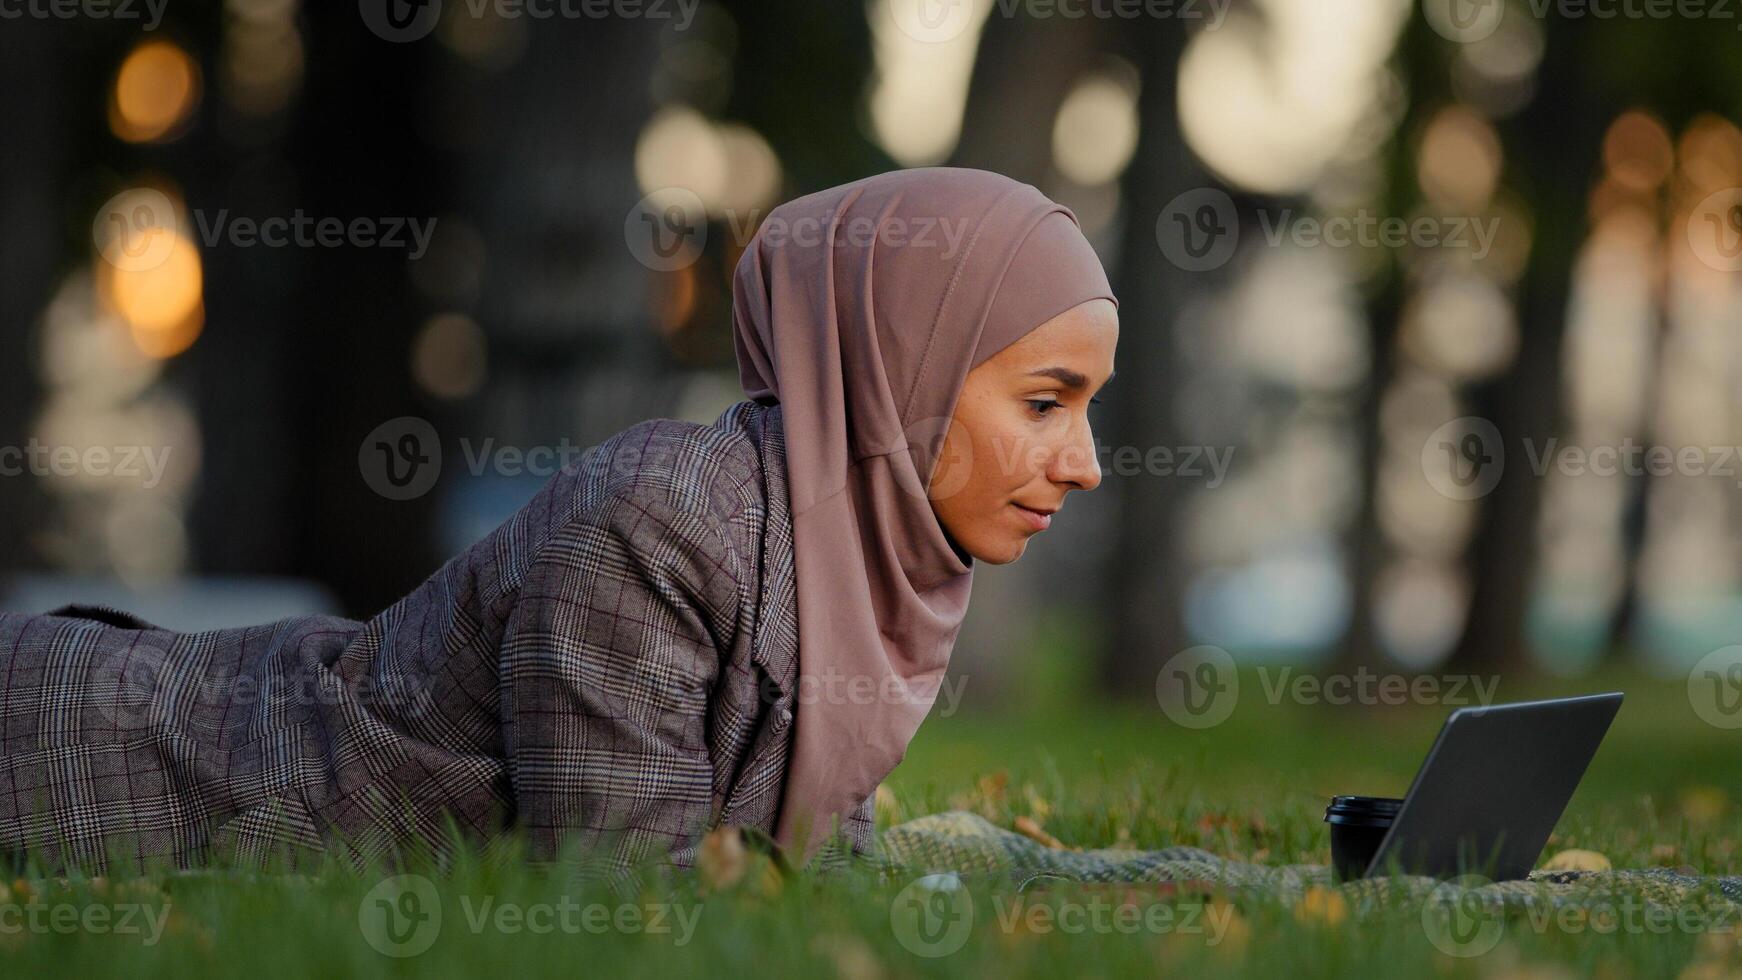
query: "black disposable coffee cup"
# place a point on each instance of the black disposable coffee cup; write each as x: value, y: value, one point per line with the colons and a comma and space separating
x: 1358, y: 824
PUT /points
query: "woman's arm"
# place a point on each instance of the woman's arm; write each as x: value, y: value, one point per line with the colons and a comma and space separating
x: 609, y: 660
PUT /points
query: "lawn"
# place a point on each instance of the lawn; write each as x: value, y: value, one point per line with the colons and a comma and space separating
x: 1662, y: 792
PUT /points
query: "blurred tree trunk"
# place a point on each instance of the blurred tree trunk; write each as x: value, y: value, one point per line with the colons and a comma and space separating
x: 33, y: 162
x: 815, y: 125
x: 1555, y: 144
x: 246, y: 402
x: 357, y: 151
x: 547, y: 181
x: 1146, y: 571
x: 1023, y: 72
x: 1420, y: 64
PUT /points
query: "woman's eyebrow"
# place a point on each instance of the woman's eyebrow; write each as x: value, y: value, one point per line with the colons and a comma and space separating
x: 1067, y: 377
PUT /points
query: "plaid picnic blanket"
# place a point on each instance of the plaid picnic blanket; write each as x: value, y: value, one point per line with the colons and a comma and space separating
x: 968, y: 844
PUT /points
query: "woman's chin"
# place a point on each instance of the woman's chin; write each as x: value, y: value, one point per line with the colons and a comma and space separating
x: 1002, y: 552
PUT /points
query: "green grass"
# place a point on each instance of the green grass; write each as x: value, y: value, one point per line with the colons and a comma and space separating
x: 1662, y: 791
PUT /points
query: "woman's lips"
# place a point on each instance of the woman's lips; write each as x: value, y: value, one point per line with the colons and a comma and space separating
x: 1036, y: 519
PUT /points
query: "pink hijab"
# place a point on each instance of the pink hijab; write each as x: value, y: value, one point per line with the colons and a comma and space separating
x: 860, y: 310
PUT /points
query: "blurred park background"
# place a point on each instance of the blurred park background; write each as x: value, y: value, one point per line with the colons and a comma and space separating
x: 1349, y: 237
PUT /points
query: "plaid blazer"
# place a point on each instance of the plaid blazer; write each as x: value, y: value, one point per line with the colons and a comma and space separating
x: 614, y: 667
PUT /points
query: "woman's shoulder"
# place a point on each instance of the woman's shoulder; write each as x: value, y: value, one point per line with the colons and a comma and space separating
x: 714, y: 471
x: 678, y: 494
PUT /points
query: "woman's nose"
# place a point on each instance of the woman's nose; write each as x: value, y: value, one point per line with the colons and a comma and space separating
x: 1076, y: 461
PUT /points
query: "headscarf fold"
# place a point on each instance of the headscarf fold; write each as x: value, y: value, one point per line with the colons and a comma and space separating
x: 860, y: 310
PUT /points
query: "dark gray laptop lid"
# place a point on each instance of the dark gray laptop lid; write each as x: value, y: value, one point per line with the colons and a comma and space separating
x: 1493, y: 786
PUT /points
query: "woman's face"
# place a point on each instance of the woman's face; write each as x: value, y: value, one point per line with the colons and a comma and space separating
x: 1019, y: 440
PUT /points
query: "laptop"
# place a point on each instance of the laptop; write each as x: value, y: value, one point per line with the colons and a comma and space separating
x: 1494, y: 784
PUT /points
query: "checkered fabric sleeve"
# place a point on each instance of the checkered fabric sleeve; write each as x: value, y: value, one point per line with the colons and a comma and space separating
x: 611, y: 655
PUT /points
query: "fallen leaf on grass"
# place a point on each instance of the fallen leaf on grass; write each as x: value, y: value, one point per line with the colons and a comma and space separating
x: 1027, y: 827
x: 1232, y: 943
x: 1037, y: 804
x: 1321, y: 906
x: 1575, y: 859
x: 852, y: 958
x: 723, y: 858
x: 887, y: 808
x: 1703, y: 805
x: 987, y: 796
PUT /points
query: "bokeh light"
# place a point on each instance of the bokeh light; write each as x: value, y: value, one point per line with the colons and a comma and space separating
x: 155, y: 93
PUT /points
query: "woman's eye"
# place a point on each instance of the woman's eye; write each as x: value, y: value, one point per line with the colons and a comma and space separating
x: 1042, y: 405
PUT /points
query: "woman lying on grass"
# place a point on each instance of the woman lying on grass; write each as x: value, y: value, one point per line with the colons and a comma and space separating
x: 737, y: 624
